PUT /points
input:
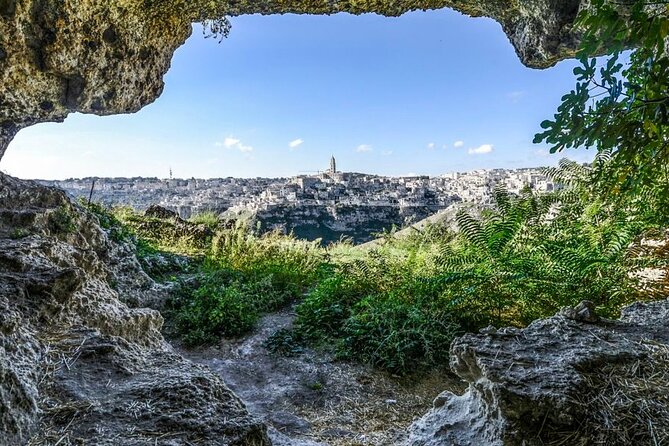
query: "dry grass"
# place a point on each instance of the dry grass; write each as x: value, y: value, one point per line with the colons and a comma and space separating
x: 376, y: 410
x: 626, y: 404
x: 61, y: 351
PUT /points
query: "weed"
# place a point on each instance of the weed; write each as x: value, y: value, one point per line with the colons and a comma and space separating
x: 19, y: 233
x: 61, y: 220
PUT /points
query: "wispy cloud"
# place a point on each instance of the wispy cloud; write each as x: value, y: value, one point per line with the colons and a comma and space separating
x: 364, y: 148
x: 294, y: 144
x: 231, y: 142
x: 458, y: 144
x: 481, y: 150
x: 431, y: 146
x: 234, y: 143
x: 387, y: 152
x: 516, y: 96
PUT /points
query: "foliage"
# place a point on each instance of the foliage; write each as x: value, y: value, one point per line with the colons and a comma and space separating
x: 400, y: 331
x: 61, y: 220
x: 209, y: 219
x: 620, y: 106
x: 378, y: 312
x: 152, y: 235
x: 19, y: 233
x: 401, y: 304
x: 285, y: 342
x: 221, y: 304
x: 162, y: 257
x: 243, y: 276
x: 109, y: 221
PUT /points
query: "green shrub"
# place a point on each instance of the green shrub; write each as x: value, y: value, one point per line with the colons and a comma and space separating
x: 399, y: 333
x: 285, y: 342
x: 243, y: 277
x: 323, y: 312
x: 218, y: 306
x: 209, y: 219
x: 19, y: 233
x: 61, y: 221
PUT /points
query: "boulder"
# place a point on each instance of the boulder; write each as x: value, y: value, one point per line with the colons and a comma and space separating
x: 570, y: 379
x: 156, y: 211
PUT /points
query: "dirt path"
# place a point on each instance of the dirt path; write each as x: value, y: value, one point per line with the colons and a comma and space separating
x: 310, y: 400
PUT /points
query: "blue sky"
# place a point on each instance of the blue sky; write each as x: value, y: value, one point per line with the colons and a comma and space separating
x: 428, y: 93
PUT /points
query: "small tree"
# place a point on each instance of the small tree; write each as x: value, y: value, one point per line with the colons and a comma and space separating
x: 620, y: 106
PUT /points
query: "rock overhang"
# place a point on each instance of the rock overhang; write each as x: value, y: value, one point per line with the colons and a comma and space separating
x: 103, y: 58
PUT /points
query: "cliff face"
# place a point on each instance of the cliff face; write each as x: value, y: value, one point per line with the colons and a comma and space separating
x: 59, y: 57
x: 331, y: 223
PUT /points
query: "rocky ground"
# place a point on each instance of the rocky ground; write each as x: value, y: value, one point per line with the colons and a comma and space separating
x: 80, y: 361
x: 310, y: 399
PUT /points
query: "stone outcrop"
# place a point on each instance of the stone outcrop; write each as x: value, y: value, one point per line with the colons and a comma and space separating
x: 78, y: 365
x: 162, y: 222
x: 332, y: 223
x: 535, y: 386
x: 59, y: 57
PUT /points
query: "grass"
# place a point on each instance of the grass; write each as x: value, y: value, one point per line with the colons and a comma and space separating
x: 625, y: 404
x: 243, y: 276
x: 208, y: 219
x: 398, y: 304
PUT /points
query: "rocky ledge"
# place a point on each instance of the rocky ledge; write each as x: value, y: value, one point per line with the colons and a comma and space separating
x: 77, y: 364
x: 572, y: 379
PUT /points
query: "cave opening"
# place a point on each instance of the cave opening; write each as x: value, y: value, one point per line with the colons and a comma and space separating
x: 425, y: 93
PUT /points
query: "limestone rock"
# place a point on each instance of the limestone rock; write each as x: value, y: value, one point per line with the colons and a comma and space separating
x: 524, y: 385
x: 78, y: 364
x: 156, y: 211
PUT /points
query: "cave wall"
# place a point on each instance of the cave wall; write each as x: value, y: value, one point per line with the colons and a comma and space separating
x: 64, y: 56
x: 58, y: 57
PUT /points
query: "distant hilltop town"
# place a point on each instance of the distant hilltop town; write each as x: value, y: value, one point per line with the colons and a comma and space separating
x: 325, y: 205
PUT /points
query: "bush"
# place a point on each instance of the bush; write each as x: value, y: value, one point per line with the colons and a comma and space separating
x: 399, y: 333
x: 209, y: 219
x: 243, y: 277
x: 61, y: 221
x: 399, y: 325
x: 323, y: 312
x: 220, y: 306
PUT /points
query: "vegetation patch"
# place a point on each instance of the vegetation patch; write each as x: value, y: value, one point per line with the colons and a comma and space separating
x: 61, y: 221
x: 400, y: 304
x: 243, y: 276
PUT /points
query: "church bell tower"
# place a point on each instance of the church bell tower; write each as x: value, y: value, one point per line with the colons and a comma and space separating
x: 333, y: 165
